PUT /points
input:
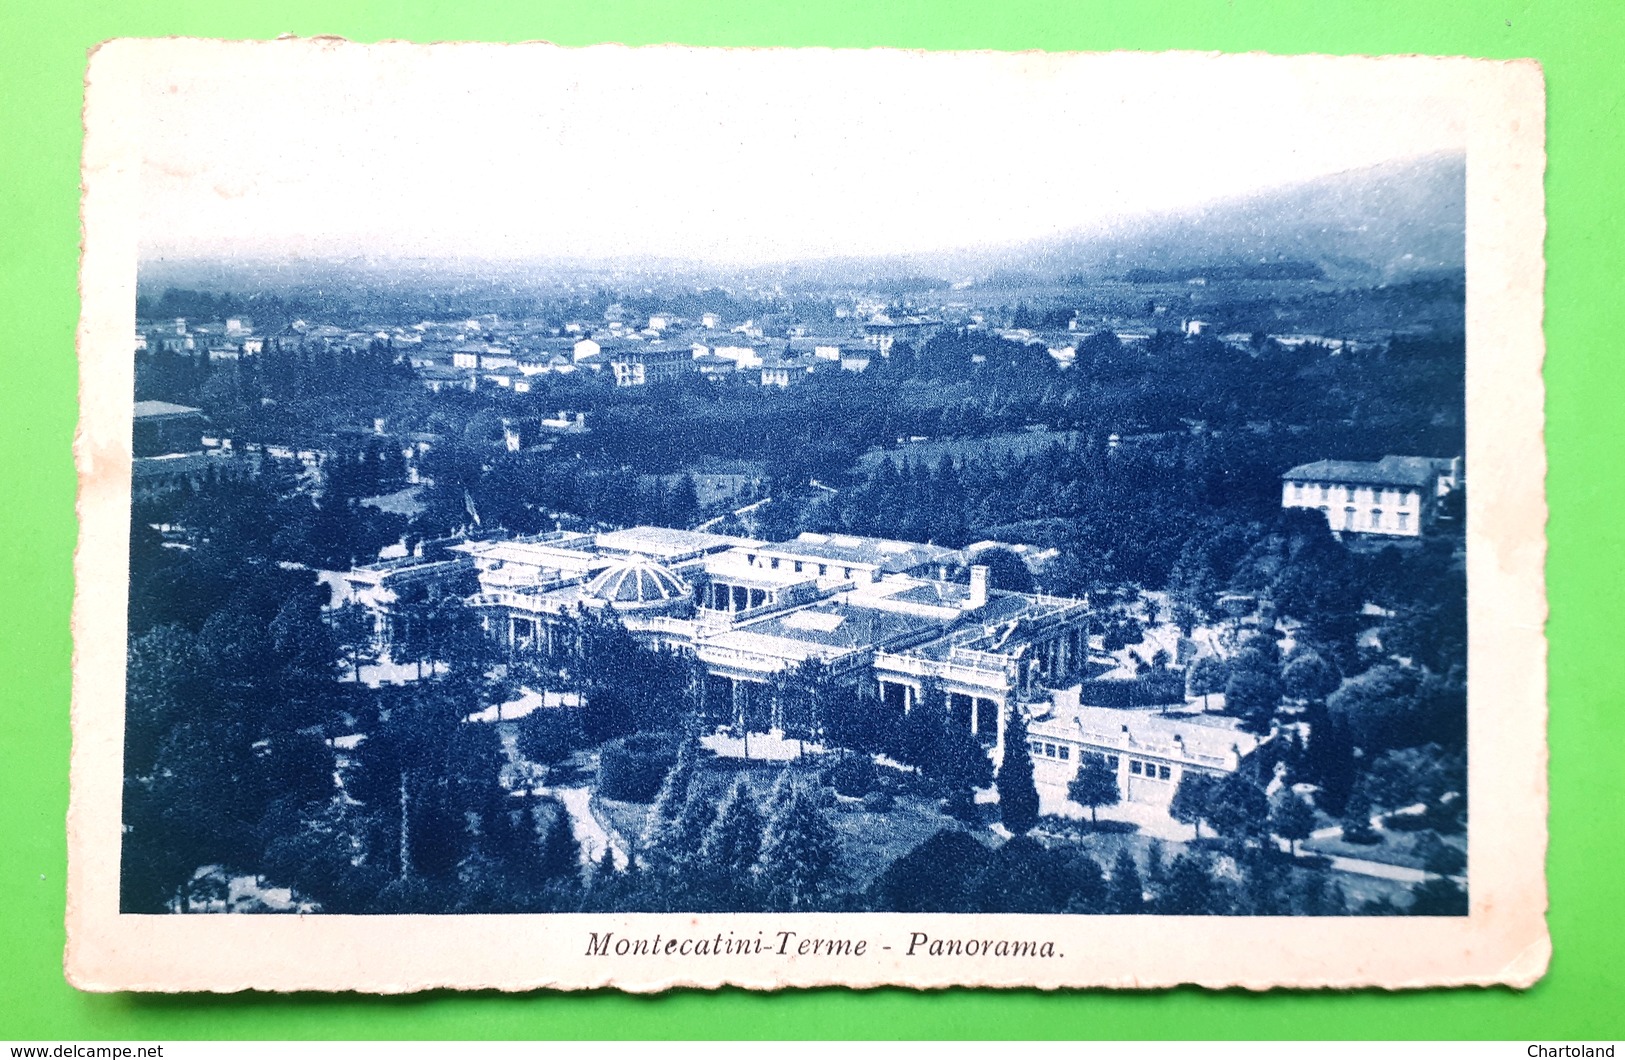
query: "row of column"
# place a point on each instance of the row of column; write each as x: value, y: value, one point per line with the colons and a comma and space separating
x: 903, y: 696
x: 720, y: 596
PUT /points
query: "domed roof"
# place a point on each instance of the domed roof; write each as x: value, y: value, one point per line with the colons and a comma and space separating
x: 638, y: 583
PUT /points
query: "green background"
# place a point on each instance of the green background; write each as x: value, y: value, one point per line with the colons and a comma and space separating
x: 1580, y: 44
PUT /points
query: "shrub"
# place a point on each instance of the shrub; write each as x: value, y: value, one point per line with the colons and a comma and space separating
x: 1153, y: 689
x: 1439, y: 857
x: 550, y: 735
x: 631, y: 769
x: 853, y: 776
x: 879, y: 802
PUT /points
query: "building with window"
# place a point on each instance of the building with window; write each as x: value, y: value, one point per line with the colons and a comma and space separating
x: 1397, y: 496
x: 888, y: 618
x: 642, y: 363
x: 161, y: 427
x: 1150, y: 752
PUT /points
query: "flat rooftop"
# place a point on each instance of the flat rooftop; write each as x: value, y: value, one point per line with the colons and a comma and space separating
x: 666, y: 543
x: 831, y: 624
x: 882, y: 553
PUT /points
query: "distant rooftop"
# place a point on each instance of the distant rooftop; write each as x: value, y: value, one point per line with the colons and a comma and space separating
x: 146, y: 410
x: 1413, y: 471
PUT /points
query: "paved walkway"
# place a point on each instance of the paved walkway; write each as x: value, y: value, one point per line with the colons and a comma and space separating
x: 1362, y: 867
x: 591, y: 834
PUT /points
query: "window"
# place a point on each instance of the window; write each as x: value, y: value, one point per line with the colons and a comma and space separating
x: 1404, y: 519
x: 1038, y: 747
x: 1163, y: 773
x: 1066, y: 753
x: 775, y: 563
x: 823, y: 569
x: 1111, y: 760
x: 1134, y: 767
x: 846, y: 572
x: 1376, y: 518
x: 1049, y: 750
x: 798, y: 566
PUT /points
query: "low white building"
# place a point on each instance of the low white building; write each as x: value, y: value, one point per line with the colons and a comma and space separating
x: 1149, y: 751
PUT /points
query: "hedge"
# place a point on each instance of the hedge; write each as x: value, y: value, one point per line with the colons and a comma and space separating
x: 632, y: 769
x: 1158, y: 688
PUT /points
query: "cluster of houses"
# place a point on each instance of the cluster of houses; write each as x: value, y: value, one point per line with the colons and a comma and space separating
x: 663, y: 350
x: 490, y: 351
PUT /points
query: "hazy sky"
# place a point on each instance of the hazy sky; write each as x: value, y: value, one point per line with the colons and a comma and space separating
x: 738, y: 156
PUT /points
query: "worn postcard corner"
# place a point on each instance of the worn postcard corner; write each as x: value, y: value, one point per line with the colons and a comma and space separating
x: 640, y: 518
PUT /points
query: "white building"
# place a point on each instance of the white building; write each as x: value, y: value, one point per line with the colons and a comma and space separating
x: 1150, y: 752
x: 1397, y: 496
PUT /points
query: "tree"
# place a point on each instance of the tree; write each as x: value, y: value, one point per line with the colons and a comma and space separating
x: 354, y: 628
x: 1005, y: 570
x: 1357, y: 817
x: 1193, y: 583
x: 801, y: 860
x: 1438, y: 897
x: 550, y: 734
x: 672, y: 796
x: 1439, y: 857
x: 1253, y: 697
x: 1194, y: 799
x: 965, y: 765
x: 411, y: 636
x: 1024, y: 877
x: 1191, y: 889
x: 734, y: 841
x: 1018, y: 795
x: 1240, y: 810
x: 938, y: 876
x: 1125, y: 892
x: 398, y: 762
x: 1207, y: 675
x: 164, y: 685
x: 1291, y: 817
x: 924, y: 728
x: 1425, y: 775
x: 1380, y: 707
x: 679, y: 844
x: 560, y: 855
x: 1308, y: 677
x: 1094, y: 785
x: 1329, y: 757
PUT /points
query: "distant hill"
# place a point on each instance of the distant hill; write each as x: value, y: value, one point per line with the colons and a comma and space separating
x: 1383, y: 223
x: 1386, y: 223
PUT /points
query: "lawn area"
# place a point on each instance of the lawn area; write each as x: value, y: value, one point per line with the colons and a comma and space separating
x: 625, y: 818
x: 873, y: 841
x: 1395, y: 848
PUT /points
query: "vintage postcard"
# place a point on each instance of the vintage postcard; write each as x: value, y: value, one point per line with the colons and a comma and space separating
x: 644, y: 517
